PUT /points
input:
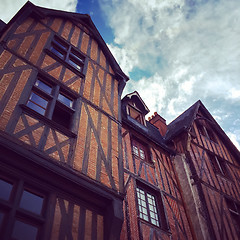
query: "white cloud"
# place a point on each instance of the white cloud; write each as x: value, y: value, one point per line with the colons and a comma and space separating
x: 8, y: 8
x: 235, y: 138
x: 234, y: 93
x: 193, y: 49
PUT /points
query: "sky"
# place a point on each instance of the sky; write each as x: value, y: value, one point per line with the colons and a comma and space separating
x: 174, y: 51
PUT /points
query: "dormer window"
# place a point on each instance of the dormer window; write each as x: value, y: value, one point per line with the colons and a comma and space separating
x: 136, y: 114
x: 135, y: 108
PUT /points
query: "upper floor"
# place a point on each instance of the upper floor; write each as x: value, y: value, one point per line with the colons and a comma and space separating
x: 60, y: 91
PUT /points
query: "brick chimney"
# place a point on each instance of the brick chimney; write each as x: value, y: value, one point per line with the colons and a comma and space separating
x: 158, y: 122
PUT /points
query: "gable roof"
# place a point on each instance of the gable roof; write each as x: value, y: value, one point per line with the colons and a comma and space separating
x: 2, y: 25
x: 185, y: 121
x: 29, y: 9
x: 134, y: 96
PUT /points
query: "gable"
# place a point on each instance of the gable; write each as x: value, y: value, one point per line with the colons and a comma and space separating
x: 75, y: 22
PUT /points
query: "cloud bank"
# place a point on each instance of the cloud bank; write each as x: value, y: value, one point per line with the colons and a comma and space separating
x: 190, y: 49
x: 8, y: 8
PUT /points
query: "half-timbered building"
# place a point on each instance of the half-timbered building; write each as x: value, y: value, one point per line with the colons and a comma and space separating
x: 207, y: 165
x: 77, y: 162
x: 61, y: 174
x: 153, y: 206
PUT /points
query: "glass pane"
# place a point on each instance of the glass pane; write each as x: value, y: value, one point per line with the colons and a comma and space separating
x: 135, y: 150
x: 6, y: 189
x: 144, y: 210
x: 76, y: 55
x: 145, y: 217
x: 38, y: 100
x: 75, y: 63
x: 65, y: 100
x: 59, y: 43
x: 43, y: 86
x: 1, y: 218
x: 57, y: 52
x: 142, y: 154
x: 31, y: 202
x: 153, y: 221
x: 23, y: 231
x: 36, y: 108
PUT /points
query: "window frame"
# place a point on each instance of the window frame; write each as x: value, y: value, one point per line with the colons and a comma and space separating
x: 71, y: 56
x: 138, y: 147
x: 160, y: 209
x: 234, y: 213
x: 219, y: 165
x: 53, y: 103
x: 131, y: 110
x: 205, y: 131
x: 13, y: 212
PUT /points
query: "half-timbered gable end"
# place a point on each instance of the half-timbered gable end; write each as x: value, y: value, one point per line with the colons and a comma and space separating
x: 60, y: 91
x: 153, y: 207
x: 210, y: 163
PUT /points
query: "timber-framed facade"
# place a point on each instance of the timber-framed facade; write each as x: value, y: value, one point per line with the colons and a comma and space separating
x: 78, y: 161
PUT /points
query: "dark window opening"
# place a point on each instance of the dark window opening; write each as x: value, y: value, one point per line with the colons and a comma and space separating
x: 219, y: 165
x: 67, y: 53
x: 211, y: 135
x: 234, y: 209
x: 201, y: 129
x: 206, y: 131
x: 61, y: 117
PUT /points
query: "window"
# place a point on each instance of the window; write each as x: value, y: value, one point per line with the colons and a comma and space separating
x: 136, y: 114
x: 140, y: 150
x: 67, y: 53
x: 22, y: 210
x: 52, y: 102
x: 148, y: 205
x: 234, y: 209
x: 206, y: 131
x: 219, y: 165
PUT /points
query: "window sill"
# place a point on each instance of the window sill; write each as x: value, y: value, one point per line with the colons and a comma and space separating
x: 154, y: 226
x: 73, y: 69
x: 143, y: 160
x: 49, y: 122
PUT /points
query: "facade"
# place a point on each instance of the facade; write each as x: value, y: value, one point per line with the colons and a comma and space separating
x: 61, y: 158
x: 79, y: 162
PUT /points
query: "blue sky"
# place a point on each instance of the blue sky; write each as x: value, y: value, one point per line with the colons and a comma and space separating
x: 175, y: 51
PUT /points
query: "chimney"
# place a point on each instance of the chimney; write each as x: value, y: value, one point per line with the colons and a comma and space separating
x: 158, y: 122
